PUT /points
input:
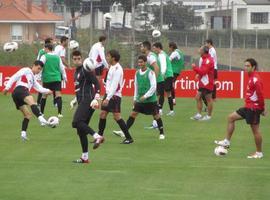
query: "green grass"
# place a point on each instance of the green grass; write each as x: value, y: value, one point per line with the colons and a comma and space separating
x: 181, y: 167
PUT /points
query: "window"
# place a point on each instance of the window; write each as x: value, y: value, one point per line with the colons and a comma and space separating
x: 16, y: 32
x: 259, y: 18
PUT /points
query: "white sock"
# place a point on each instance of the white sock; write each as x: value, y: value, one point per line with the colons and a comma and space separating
x: 96, y: 136
x: 259, y: 153
x: 23, y: 133
x: 226, y: 140
x: 85, y: 156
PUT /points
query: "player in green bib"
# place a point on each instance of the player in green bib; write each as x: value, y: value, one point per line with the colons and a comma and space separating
x: 38, y: 76
x: 52, y: 74
x: 177, y: 60
x: 145, y: 98
x: 165, y: 66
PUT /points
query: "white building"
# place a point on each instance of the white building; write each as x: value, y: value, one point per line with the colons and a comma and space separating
x: 243, y: 14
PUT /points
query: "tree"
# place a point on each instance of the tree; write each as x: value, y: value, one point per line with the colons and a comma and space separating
x: 177, y: 16
x: 127, y: 6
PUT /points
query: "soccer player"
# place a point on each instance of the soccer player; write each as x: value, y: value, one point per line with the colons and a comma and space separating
x: 85, y: 93
x: 165, y: 63
x: 145, y: 99
x: 25, y: 80
x: 206, y: 83
x: 254, y: 107
x: 177, y: 60
x: 60, y: 50
x: 112, y: 99
x: 98, y: 55
x: 38, y: 76
x: 52, y: 74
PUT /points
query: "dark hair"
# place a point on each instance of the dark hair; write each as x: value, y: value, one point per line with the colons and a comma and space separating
x: 63, y: 39
x: 114, y: 54
x: 173, y: 45
x: 158, y: 45
x: 205, y: 49
x: 102, y: 38
x: 209, y: 41
x: 147, y: 45
x: 76, y: 53
x: 38, y: 62
x: 253, y: 63
x: 142, y: 57
x: 47, y: 40
x: 49, y: 46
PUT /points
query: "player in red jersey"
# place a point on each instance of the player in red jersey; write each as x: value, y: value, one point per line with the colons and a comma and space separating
x: 254, y: 107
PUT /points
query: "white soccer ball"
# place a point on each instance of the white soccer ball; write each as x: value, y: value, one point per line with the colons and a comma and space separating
x: 73, y: 44
x: 154, y: 124
x: 94, y: 104
x: 10, y: 46
x: 220, y: 151
x: 53, y: 121
x: 89, y: 64
x: 156, y: 33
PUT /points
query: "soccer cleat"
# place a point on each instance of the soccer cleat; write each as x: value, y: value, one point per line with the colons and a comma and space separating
x: 119, y: 133
x: 161, y: 136
x: 224, y: 143
x: 98, y: 142
x: 198, y: 116
x: 256, y: 155
x: 24, y: 136
x: 205, y: 118
x: 171, y: 113
x: 60, y: 115
x: 127, y: 141
x: 81, y: 161
x: 160, y: 112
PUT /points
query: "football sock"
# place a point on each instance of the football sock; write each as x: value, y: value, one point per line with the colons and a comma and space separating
x: 42, y: 105
x: 170, y: 101
x: 124, y: 128
x: 39, y: 98
x: 58, y: 101
x: 173, y: 93
x: 101, y: 126
x: 130, y: 122
x: 35, y: 110
x: 160, y: 125
x: 161, y: 101
x: 25, y: 124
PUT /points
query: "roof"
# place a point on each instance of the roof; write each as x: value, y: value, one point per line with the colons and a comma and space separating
x: 257, y: 2
x: 16, y: 11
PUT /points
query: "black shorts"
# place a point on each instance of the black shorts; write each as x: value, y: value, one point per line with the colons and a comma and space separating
x: 251, y: 116
x: 175, y: 77
x: 204, y: 91
x: 160, y: 88
x: 150, y: 108
x: 53, y: 86
x: 18, y: 96
x: 215, y: 74
x: 99, y: 70
x: 168, y: 84
x: 114, y: 105
x: 83, y: 112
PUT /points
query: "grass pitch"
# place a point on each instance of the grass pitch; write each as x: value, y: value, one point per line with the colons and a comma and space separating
x: 182, y: 166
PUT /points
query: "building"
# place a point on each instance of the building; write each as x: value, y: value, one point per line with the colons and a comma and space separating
x: 23, y: 21
x: 241, y: 14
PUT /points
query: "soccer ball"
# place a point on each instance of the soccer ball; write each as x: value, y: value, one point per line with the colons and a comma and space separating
x: 154, y: 124
x: 156, y: 33
x: 73, y: 44
x: 53, y: 121
x: 10, y: 46
x: 94, y: 104
x: 89, y: 64
x: 220, y: 151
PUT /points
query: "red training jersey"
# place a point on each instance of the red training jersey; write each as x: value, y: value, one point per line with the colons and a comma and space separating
x: 254, y: 94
